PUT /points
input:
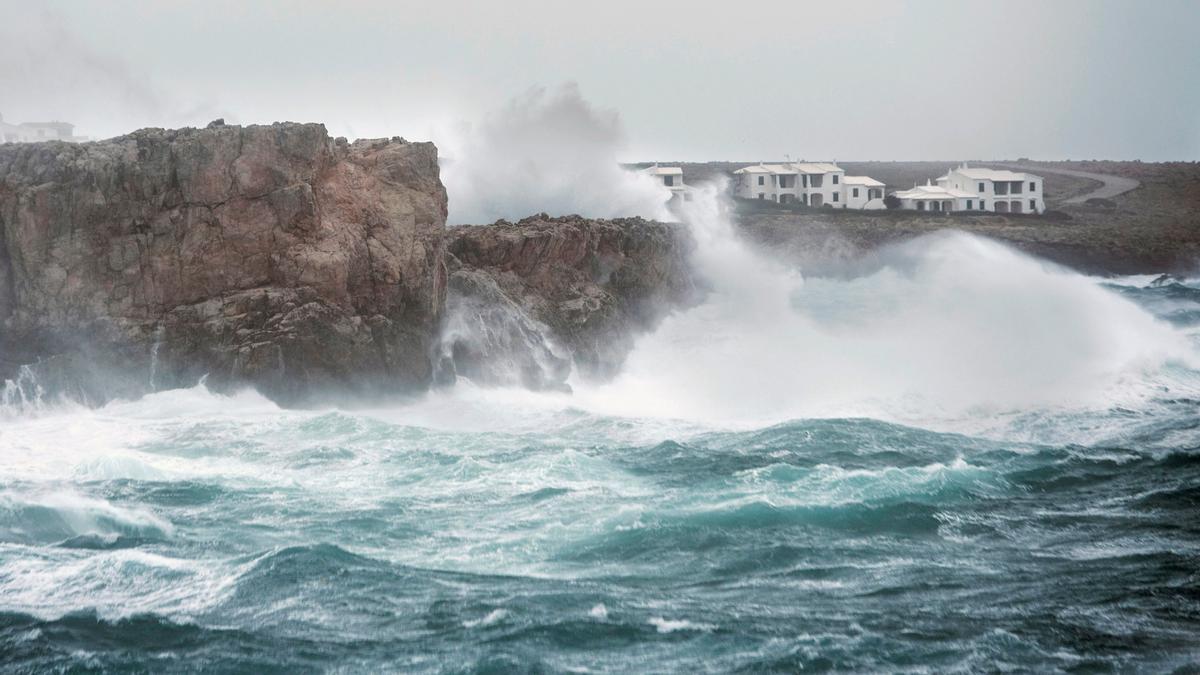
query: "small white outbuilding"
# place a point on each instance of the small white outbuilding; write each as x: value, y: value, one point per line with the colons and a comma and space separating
x: 672, y: 178
x: 930, y: 197
x: 864, y: 192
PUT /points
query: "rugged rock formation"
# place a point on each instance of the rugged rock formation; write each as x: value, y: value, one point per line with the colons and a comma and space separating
x: 527, y: 298
x: 267, y: 255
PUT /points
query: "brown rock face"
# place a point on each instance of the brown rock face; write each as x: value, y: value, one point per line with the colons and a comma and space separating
x: 265, y: 255
x: 528, y: 298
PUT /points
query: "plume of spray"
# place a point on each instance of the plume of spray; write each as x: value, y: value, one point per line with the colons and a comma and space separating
x: 547, y: 150
x: 944, y: 326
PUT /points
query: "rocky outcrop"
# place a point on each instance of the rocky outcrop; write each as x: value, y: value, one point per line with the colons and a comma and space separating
x: 273, y: 256
x: 527, y: 299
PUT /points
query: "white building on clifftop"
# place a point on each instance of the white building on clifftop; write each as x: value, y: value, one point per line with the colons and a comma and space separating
x: 671, y: 178
x: 996, y: 190
x: 809, y: 183
x: 33, y: 132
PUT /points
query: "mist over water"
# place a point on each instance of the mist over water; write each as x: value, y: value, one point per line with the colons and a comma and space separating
x: 952, y: 456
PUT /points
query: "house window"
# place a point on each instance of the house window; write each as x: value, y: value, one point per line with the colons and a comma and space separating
x: 805, y: 198
x: 835, y: 196
x: 854, y: 193
x: 920, y: 206
x: 804, y: 181
x: 668, y: 180
x: 1032, y: 186
x: 982, y: 205
x: 835, y: 179
x: 970, y: 204
x: 761, y: 180
x: 981, y: 187
x: 1033, y: 205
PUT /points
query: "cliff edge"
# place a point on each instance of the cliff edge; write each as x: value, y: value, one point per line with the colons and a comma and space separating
x: 272, y: 256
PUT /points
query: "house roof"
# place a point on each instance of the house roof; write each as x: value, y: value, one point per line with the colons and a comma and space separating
x: 766, y: 168
x: 861, y: 180
x: 989, y: 174
x: 664, y: 170
x: 791, y: 168
x: 816, y: 167
x: 932, y: 192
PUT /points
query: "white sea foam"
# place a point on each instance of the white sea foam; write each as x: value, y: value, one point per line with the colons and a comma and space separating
x: 493, y: 617
x: 81, y: 514
x: 672, y: 625
x: 50, y: 583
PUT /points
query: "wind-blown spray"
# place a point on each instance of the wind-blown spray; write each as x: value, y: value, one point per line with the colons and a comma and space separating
x: 549, y: 151
x: 940, y: 326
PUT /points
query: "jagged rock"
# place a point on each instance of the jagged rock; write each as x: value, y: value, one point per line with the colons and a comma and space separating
x: 264, y: 255
x: 595, y: 284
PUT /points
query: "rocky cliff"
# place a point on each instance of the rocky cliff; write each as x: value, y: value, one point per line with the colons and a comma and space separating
x: 266, y: 255
x: 529, y: 299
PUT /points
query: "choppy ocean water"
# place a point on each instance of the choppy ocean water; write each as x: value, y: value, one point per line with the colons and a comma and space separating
x: 496, y: 531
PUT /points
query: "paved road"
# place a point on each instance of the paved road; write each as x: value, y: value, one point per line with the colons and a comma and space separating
x: 1111, y: 187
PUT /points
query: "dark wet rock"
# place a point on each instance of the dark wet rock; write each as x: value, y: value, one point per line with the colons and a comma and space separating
x: 568, y: 287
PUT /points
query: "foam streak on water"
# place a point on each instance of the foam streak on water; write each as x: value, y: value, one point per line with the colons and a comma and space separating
x: 958, y: 458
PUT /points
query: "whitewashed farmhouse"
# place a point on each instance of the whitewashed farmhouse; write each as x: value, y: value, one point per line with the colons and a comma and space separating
x: 967, y: 189
x: 809, y: 183
x: 32, y: 132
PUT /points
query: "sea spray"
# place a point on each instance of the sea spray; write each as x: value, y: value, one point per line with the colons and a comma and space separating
x: 548, y: 150
x: 154, y: 349
x: 936, y: 328
x: 22, y: 394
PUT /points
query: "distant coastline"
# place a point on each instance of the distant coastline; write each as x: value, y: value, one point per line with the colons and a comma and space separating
x: 1150, y: 229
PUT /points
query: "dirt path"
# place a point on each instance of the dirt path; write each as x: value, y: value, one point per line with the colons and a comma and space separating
x: 1110, y: 187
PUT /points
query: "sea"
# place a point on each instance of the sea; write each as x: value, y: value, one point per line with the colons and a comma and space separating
x: 951, y: 457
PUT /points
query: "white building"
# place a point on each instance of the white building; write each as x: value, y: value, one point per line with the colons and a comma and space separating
x: 32, y: 132
x: 672, y: 178
x: 809, y: 183
x: 930, y: 197
x: 863, y: 192
x: 997, y: 190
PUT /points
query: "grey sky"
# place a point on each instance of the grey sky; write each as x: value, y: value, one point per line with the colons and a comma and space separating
x: 690, y: 80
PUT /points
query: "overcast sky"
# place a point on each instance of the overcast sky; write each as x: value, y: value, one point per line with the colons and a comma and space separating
x: 690, y: 80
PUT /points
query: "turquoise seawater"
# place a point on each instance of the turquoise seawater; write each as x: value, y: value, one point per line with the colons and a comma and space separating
x: 503, y: 531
